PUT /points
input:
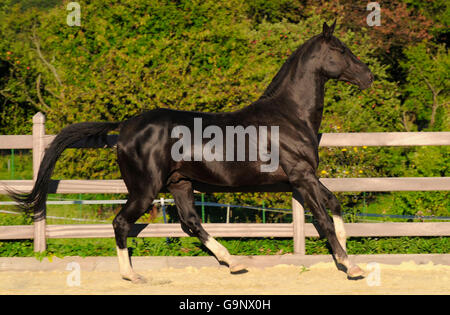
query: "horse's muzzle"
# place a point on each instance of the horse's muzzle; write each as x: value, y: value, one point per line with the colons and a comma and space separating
x: 365, y: 81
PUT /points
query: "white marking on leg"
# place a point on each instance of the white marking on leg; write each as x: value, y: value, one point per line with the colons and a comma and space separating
x: 223, y: 255
x: 126, y: 271
x: 340, y: 231
x: 124, y: 262
x: 218, y: 250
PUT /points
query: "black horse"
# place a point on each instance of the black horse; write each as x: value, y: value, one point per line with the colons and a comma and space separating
x: 293, y: 103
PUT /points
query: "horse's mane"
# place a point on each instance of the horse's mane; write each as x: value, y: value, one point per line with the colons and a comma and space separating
x: 292, y: 61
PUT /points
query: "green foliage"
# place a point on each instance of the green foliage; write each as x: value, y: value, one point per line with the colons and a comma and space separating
x: 427, y: 88
x: 422, y: 203
x: 187, y: 246
x: 426, y: 162
x: 16, y: 249
x: 7, y: 219
x: 134, y: 55
x: 404, y: 245
x: 274, y: 11
x: 124, y: 60
x: 28, y: 4
x: 438, y: 10
x: 22, y: 165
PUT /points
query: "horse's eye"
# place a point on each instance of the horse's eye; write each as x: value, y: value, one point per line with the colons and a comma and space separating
x: 340, y: 49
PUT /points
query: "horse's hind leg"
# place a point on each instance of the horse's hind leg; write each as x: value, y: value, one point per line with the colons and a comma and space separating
x: 123, y: 222
x: 141, y: 149
x: 190, y: 223
x: 142, y: 188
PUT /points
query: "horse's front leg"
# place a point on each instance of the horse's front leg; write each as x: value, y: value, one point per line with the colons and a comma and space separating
x: 333, y: 204
x: 305, y: 182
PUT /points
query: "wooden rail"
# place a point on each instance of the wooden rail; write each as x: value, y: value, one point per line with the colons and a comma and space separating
x: 40, y: 231
x: 359, y: 139
x: 117, y: 186
x: 229, y: 230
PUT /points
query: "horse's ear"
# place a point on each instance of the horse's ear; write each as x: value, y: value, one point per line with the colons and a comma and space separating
x: 325, y: 28
x: 333, y: 27
x: 328, y: 30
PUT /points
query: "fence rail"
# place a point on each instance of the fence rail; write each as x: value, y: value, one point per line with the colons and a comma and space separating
x: 298, y: 230
x: 387, y: 229
x: 326, y: 140
x: 334, y: 184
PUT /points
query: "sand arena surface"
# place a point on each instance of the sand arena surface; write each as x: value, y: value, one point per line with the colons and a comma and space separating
x: 321, y: 278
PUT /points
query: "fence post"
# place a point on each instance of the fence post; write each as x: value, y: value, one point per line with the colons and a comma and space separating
x: 12, y: 164
x: 203, y: 208
x: 38, y: 152
x: 298, y: 218
x: 263, y: 212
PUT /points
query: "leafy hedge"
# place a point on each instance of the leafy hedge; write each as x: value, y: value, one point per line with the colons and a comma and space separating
x: 134, y: 55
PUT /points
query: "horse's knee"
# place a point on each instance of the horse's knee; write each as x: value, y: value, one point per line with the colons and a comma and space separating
x: 334, y: 205
x: 193, y: 227
x: 189, y: 227
x: 121, y: 228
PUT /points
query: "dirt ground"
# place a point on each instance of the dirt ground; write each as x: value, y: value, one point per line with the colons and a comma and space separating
x: 321, y: 278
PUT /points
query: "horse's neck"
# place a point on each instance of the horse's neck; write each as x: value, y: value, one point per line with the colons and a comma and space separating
x: 305, y: 96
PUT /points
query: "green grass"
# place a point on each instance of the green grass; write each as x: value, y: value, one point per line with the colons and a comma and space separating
x: 17, y: 166
x: 187, y: 246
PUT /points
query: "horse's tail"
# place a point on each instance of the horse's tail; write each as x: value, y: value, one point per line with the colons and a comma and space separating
x: 34, y: 202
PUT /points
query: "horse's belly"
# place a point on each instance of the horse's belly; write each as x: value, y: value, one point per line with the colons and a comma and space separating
x: 231, y: 174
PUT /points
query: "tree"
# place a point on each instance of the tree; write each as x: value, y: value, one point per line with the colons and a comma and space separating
x: 400, y: 25
x: 133, y: 55
x: 426, y: 92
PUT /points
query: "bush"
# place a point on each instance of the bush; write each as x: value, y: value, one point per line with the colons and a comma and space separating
x: 134, y: 55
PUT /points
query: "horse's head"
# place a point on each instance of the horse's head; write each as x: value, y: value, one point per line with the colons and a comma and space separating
x: 338, y: 62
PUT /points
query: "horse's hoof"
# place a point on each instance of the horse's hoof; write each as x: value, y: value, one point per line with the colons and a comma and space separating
x: 135, y: 278
x: 139, y: 280
x: 355, y: 272
x: 235, y: 268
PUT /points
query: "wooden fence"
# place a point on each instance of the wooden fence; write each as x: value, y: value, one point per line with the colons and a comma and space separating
x: 298, y: 229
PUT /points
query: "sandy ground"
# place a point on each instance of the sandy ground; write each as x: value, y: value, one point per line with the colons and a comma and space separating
x: 321, y: 278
